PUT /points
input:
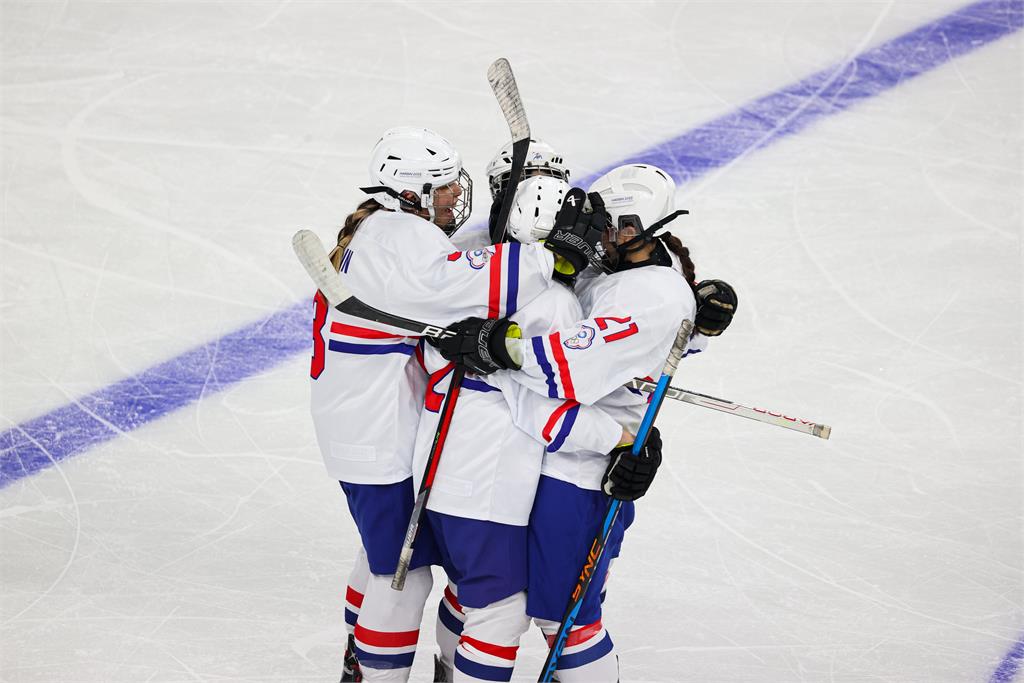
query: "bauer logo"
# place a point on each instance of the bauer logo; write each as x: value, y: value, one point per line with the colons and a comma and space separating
x: 582, y: 339
x: 478, y: 258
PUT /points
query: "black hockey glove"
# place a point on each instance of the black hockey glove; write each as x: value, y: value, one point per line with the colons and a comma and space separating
x: 629, y: 476
x: 576, y: 237
x: 479, y: 345
x: 716, y: 305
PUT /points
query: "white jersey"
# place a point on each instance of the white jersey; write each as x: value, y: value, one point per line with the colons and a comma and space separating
x: 366, y: 389
x: 492, y: 457
x: 632, y: 320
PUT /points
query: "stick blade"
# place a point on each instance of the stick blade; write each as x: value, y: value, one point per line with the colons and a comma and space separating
x: 311, y: 254
x: 503, y: 83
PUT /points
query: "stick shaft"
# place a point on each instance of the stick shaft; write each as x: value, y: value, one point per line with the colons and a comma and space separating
x: 430, y: 471
x: 822, y: 431
x: 600, y: 541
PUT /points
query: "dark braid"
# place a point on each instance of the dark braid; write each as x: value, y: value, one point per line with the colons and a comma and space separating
x: 673, y: 244
x: 348, y: 231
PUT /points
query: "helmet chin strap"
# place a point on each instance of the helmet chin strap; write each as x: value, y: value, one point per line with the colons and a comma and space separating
x: 659, y: 257
x: 397, y: 200
x: 400, y: 202
x: 645, y: 237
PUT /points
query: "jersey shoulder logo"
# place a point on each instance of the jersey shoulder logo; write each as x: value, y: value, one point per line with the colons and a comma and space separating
x: 478, y: 258
x: 582, y: 339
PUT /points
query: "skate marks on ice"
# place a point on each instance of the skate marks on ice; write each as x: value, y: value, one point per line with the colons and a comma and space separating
x: 43, y: 441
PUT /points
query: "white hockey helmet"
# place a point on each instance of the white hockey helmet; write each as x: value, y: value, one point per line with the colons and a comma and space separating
x: 640, y: 200
x: 541, y: 159
x: 533, y: 211
x: 418, y: 160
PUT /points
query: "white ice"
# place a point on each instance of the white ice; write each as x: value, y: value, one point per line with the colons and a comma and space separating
x: 157, y: 156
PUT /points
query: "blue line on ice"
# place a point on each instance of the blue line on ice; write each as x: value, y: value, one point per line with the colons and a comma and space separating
x: 126, y: 405
x: 1008, y: 668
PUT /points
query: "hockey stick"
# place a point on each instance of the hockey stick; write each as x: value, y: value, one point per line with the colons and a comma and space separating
x: 821, y: 431
x: 601, y: 540
x: 503, y: 83
x: 311, y: 254
x: 427, y: 484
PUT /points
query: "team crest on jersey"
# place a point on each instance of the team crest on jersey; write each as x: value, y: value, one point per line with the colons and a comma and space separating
x: 478, y: 258
x: 582, y: 339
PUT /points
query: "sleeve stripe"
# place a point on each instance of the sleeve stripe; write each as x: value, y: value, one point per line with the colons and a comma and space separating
x: 494, y: 295
x: 563, y: 366
x: 512, y: 294
x: 555, y: 415
x: 542, y: 359
x: 478, y: 385
x: 567, y: 423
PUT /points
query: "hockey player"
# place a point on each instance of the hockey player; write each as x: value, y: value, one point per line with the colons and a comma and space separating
x: 366, y: 391
x: 634, y: 312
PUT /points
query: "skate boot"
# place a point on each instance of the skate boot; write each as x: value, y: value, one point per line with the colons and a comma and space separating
x: 351, y: 671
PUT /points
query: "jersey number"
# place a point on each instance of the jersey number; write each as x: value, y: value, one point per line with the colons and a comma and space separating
x: 319, y: 319
x: 617, y: 324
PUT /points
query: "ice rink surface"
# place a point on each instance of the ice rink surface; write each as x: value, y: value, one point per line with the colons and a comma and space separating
x: 164, y: 512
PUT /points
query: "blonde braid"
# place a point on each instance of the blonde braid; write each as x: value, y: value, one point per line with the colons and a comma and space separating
x: 348, y: 231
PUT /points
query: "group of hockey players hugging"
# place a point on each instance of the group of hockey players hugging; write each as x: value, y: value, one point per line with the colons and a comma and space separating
x: 552, y: 315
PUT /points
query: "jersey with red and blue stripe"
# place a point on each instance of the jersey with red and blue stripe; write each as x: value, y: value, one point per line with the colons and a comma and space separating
x: 368, y: 379
x: 633, y: 318
x: 499, y: 430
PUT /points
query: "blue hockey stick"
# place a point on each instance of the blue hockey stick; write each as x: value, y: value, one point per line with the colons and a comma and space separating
x: 601, y: 540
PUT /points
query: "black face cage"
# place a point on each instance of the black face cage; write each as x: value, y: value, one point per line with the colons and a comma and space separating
x: 463, y: 205
x: 615, y: 257
x: 499, y: 182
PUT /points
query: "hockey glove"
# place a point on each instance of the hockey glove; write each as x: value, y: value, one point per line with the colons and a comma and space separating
x: 479, y: 345
x: 576, y: 237
x: 629, y: 476
x: 716, y: 305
